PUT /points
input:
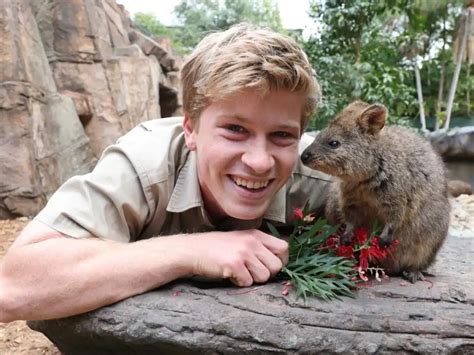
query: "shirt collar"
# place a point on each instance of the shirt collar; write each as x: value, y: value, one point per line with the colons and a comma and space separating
x: 187, y: 193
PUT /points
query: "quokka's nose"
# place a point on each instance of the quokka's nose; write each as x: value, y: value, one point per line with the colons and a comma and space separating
x: 305, y: 157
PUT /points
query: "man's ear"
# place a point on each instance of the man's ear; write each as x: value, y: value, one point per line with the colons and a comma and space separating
x: 373, y: 118
x: 189, y: 132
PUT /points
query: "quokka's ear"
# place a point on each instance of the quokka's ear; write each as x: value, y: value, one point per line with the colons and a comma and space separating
x: 373, y: 118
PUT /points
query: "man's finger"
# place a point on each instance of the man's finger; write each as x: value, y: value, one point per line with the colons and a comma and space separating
x: 260, y: 273
x: 241, y: 277
x: 271, y: 261
x: 277, y: 246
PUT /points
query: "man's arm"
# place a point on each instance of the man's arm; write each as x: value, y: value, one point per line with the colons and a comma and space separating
x: 47, y: 275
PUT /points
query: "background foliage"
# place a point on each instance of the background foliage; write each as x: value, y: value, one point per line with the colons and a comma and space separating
x: 362, y: 50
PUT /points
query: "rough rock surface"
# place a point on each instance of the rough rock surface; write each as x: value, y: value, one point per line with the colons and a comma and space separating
x: 88, y: 47
x: 457, y: 143
x: 71, y: 83
x: 462, y: 217
x: 197, y: 317
x: 41, y: 137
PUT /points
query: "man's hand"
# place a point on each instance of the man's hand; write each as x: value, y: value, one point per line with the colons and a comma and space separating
x: 46, y: 275
x: 244, y: 257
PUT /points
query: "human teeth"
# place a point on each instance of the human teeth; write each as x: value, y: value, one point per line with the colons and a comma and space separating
x: 250, y: 184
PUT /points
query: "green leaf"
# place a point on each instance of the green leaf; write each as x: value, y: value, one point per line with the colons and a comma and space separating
x: 273, y: 230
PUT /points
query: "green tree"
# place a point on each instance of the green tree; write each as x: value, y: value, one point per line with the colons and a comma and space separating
x: 151, y: 26
x: 355, y: 57
x: 198, y: 17
x: 374, y: 50
x: 429, y: 30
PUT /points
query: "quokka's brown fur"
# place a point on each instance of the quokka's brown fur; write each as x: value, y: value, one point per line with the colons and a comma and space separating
x: 386, y: 174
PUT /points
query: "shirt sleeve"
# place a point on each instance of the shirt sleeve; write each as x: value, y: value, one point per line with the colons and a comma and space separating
x: 108, y: 203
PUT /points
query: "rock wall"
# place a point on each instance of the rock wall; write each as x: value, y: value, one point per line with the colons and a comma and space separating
x: 75, y: 75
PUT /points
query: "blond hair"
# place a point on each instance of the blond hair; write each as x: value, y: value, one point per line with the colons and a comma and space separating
x: 246, y: 57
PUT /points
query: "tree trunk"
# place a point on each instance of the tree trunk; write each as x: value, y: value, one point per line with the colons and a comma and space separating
x: 468, y: 93
x: 419, y: 92
x: 439, y: 104
x: 460, y: 55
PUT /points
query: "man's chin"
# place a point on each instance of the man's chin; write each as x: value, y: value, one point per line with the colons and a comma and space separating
x: 246, y: 213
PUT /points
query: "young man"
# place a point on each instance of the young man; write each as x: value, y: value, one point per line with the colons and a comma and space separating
x: 202, y: 185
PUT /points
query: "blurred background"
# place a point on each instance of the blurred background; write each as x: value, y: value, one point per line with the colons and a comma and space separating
x: 369, y: 50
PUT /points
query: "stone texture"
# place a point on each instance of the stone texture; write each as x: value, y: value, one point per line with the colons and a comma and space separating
x: 83, y: 105
x: 71, y: 83
x: 459, y: 187
x: 42, y: 141
x: 123, y: 91
x: 90, y: 54
x: 73, y: 30
x: 198, y: 317
x: 169, y: 85
x: 457, y: 143
x: 129, y: 78
x: 462, y: 217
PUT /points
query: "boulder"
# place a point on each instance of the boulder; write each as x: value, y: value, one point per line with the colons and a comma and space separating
x: 41, y: 137
x: 199, y: 317
x: 459, y: 187
x: 462, y: 221
x: 74, y: 30
x: 117, y: 21
x: 129, y: 51
x: 91, y: 57
x: 83, y: 105
x: 123, y: 92
x: 71, y: 64
x: 457, y: 143
x: 134, y: 89
x: 147, y: 45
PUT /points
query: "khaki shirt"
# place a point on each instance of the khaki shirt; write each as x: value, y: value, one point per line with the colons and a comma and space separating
x: 146, y: 185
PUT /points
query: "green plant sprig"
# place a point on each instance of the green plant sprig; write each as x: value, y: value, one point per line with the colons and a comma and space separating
x: 312, y: 269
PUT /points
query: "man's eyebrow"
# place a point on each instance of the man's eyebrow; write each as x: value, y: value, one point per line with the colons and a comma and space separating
x: 234, y: 116
x: 249, y: 120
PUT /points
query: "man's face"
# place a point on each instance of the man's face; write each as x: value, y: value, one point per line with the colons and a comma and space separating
x: 247, y: 147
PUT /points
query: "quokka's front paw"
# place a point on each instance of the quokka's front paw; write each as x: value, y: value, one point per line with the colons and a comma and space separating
x: 385, y: 241
x: 386, y: 237
x: 413, y: 276
x: 346, y: 237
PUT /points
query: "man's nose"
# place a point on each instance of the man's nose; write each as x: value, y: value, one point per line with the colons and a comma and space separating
x: 259, y: 158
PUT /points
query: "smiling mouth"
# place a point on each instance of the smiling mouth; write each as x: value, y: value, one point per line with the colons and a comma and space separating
x: 251, y: 185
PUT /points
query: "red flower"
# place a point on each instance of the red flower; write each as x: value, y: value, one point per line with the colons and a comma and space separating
x: 360, y: 235
x: 297, y: 214
x: 375, y: 252
x: 364, y: 259
x: 345, y: 251
x: 332, y: 242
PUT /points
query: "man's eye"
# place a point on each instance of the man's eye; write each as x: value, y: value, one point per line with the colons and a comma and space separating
x: 235, y: 128
x: 282, y: 134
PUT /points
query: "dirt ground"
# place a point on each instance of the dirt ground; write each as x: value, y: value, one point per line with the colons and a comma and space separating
x: 15, y: 337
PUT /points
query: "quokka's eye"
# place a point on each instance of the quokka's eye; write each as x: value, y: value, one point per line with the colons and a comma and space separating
x: 334, y: 144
